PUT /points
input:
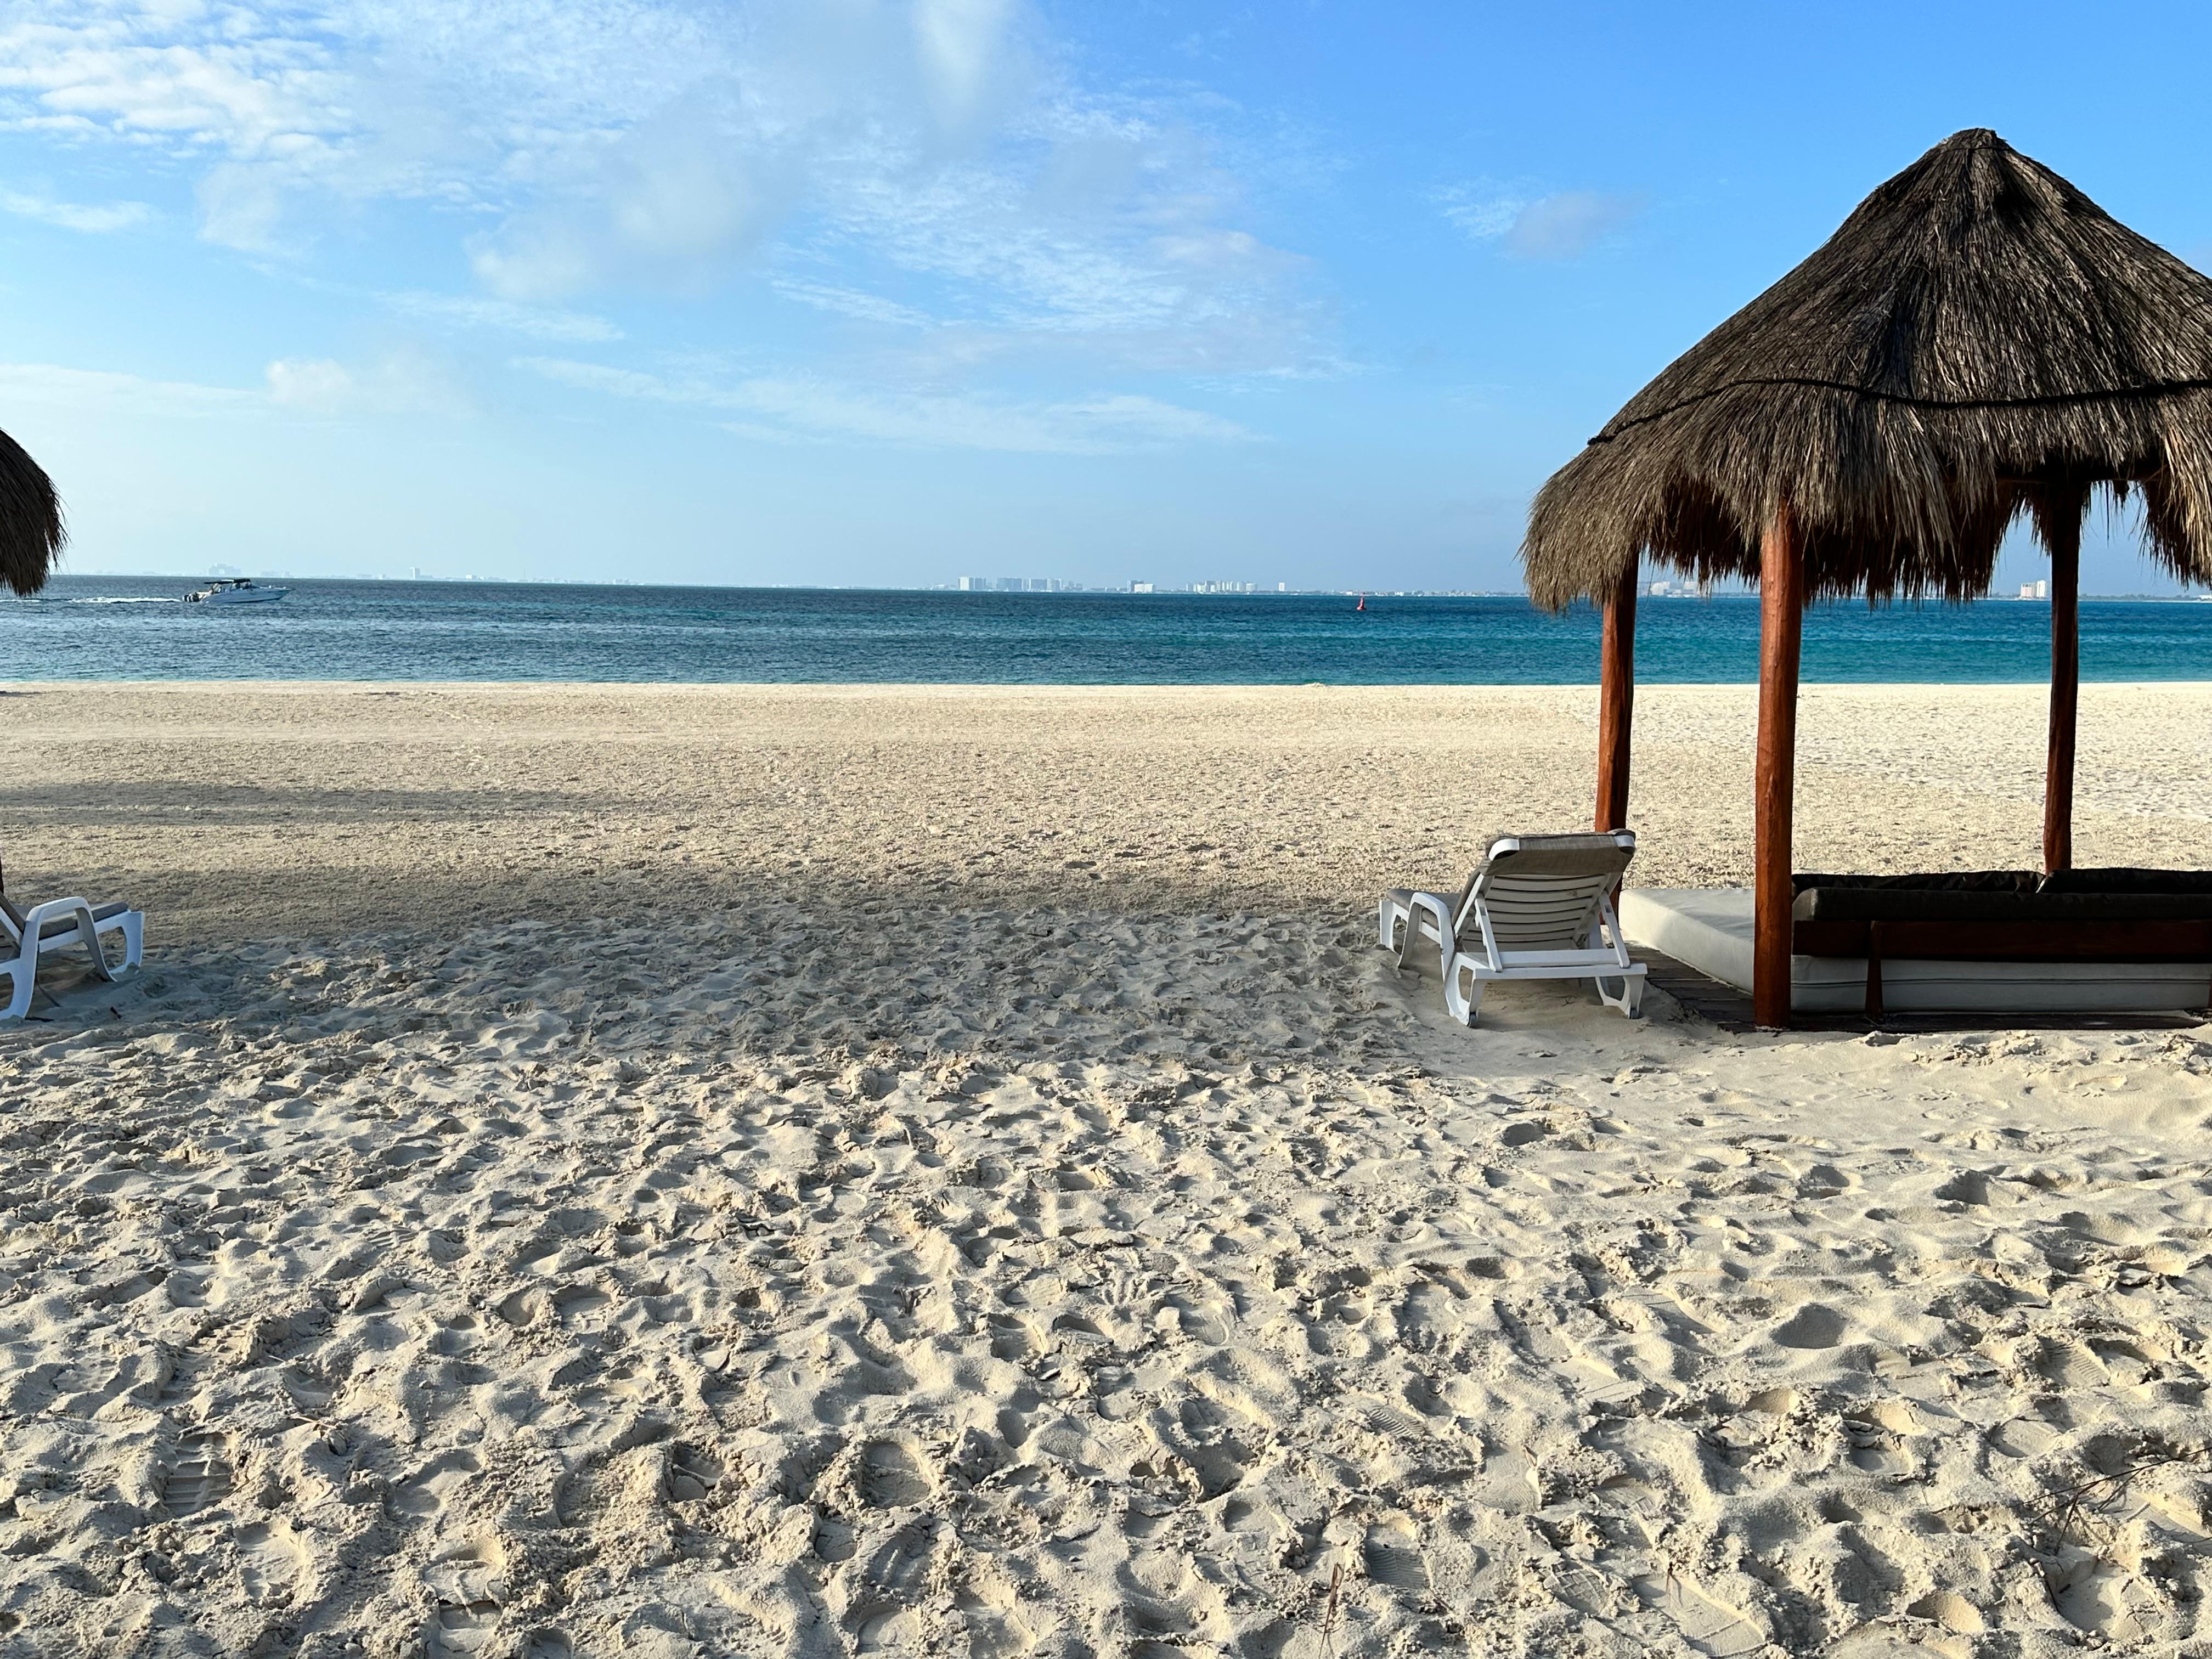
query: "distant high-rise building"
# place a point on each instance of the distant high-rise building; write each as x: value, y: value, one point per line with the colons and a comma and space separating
x: 1140, y: 587
x: 974, y: 584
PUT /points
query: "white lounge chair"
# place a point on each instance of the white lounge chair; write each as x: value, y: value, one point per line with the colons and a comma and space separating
x: 59, y: 924
x: 1538, y: 906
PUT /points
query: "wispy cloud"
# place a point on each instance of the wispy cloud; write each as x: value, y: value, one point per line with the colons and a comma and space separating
x: 93, y: 218
x: 407, y: 381
x: 1484, y: 209
x: 933, y: 160
x: 475, y: 311
x: 108, y: 392
x: 787, y: 406
x: 852, y: 302
x: 401, y: 382
x: 1563, y: 225
x: 1569, y: 224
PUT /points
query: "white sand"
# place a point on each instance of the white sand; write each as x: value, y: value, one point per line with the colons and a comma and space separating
x: 869, y: 1218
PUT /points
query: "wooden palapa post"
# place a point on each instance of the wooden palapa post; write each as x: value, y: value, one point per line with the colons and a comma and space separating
x: 2063, y: 530
x: 1781, y: 618
x: 1616, y: 700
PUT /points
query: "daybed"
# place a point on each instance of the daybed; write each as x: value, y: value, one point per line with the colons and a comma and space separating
x: 2077, y: 941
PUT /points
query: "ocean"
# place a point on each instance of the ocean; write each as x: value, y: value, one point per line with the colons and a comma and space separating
x: 134, y: 627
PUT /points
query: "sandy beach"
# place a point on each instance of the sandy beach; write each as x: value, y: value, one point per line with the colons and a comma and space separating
x: 732, y: 1171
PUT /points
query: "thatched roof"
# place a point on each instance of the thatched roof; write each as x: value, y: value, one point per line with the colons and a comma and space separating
x: 30, y: 533
x: 1979, y: 339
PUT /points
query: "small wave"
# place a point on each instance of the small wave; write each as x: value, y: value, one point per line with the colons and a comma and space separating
x: 112, y: 598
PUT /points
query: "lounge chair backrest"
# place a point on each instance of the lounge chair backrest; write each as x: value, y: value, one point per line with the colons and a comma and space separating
x: 1541, y: 892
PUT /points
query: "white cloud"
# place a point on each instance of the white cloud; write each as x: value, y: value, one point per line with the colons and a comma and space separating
x: 937, y: 149
x: 400, y: 382
x: 1484, y: 210
x: 1568, y: 225
x: 852, y: 302
x: 788, y: 406
x: 318, y: 387
x: 470, y: 311
x: 1564, y: 225
x: 964, y: 46
x: 93, y: 218
x: 671, y: 203
x: 108, y: 392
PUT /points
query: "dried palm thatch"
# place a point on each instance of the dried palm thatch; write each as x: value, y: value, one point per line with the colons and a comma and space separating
x: 1979, y: 340
x: 30, y: 533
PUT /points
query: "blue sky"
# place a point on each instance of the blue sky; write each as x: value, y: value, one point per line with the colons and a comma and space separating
x: 888, y: 291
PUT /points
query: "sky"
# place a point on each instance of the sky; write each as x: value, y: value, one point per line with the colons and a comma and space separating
x: 887, y: 292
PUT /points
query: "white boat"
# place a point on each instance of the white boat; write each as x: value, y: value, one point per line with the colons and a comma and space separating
x: 235, y: 590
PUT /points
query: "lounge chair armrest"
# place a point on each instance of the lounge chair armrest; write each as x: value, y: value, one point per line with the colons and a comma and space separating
x: 1436, y: 909
x: 36, y: 918
x: 1437, y: 906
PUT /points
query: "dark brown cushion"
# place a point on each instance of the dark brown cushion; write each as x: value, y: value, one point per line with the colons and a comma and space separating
x: 1941, y: 881
x: 1909, y: 905
x: 2125, y: 880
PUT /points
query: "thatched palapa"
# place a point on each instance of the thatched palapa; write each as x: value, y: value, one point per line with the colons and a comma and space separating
x: 1978, y: 340
x: 31, y: 531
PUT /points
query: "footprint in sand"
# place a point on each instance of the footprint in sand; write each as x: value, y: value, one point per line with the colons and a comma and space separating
x: 1707, y: 1623
x: 1201, y: 1324
x: 692, y: 1473
x: 465, y: 1627
x: 426, y: 1494
x: 900, y: 1570
x: 1812, y: 1327
x: 890, y: 1478
x: 879, y: 1629
x: 200, y: 1476
x: 1393, y: 1558
x: 523, y: 1307
x: 1427, y: 1321
x: 272, y: 1560
x: 1385, y: 1419
x: 1013, y: 1337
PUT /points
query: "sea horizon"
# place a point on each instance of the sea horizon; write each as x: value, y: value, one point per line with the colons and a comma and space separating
x: 92, y: 627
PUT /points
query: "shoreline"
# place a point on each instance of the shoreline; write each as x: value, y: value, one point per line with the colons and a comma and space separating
x: 1098, y: 687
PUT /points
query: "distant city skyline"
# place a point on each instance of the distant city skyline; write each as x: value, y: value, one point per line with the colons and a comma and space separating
x: 868, y: 291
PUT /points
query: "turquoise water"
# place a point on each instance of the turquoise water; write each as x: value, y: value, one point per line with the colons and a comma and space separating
x: 133, y: 628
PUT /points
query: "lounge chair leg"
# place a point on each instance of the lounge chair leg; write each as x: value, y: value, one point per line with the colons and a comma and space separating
x: 1630, y: 1000
x: 1386, y: 926
x: 1466, y: 1005
x: 97, y: 947
x: 25, y: 976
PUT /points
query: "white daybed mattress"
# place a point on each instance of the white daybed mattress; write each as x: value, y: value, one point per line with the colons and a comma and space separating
x: 1709, y: 929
